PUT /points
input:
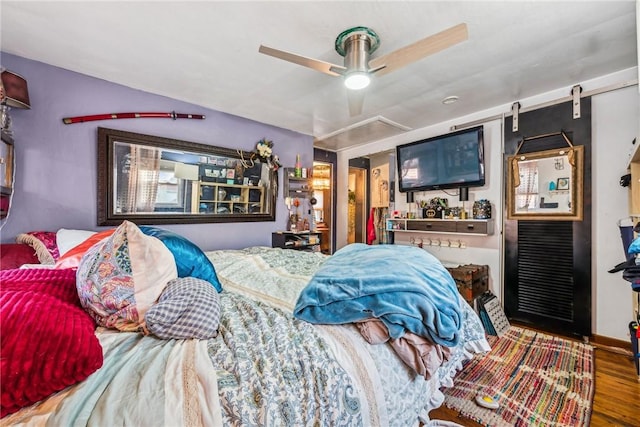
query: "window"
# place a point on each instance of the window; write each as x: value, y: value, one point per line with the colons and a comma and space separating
x: 527, y: 192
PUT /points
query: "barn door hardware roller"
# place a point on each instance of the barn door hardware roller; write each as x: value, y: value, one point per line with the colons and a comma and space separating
x: 575, y: 95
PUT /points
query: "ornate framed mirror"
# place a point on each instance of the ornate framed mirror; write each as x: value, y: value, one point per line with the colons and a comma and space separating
x: 546, y: 185
x: 154, y: 180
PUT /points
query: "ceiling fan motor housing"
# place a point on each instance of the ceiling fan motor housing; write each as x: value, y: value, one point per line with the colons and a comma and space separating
x: 356, y: 45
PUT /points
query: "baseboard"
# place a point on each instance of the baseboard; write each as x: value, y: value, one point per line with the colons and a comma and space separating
x: 611, y: 344
x: 606, y: 343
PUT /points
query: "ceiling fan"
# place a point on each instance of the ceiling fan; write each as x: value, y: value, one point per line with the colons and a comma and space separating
x: 357, y: 44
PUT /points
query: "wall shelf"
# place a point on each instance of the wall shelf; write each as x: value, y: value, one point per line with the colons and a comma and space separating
x: 296, y: 186
x: 476, y: 227
x: 229, y: 198
x: 298, y: 189
x: 304, y: 240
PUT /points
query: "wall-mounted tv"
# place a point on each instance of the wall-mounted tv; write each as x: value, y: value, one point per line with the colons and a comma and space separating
x: 447, y: 161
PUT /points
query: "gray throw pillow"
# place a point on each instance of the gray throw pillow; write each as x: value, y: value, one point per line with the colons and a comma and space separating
x: 187, y: 308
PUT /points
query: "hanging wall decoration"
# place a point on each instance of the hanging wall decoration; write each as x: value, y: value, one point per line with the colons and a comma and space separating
x: 113, y: 116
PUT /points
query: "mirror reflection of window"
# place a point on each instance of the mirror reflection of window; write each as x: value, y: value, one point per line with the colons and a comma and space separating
x: 527, y: 196
x: 185, y: 175
x: 175, y: 187
x: 546, y: 185
x: 136, y: 179
x: 168, y: 189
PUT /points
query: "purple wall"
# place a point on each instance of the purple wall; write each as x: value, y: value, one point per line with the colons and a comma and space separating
x: 56, y: 178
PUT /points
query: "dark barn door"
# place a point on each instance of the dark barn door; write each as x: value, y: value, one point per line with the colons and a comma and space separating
x: 548, y: 263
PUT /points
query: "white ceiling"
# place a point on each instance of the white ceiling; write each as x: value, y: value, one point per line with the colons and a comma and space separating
x: 206, y: 53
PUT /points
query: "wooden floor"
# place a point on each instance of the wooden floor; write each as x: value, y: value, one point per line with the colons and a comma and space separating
x: 616, y: 401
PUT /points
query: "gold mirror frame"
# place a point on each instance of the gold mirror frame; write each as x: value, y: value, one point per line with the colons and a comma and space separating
x: 557, y: 192
x: 191, y: 182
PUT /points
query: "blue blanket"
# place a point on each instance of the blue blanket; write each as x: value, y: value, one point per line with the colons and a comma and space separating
x: 405, y: 287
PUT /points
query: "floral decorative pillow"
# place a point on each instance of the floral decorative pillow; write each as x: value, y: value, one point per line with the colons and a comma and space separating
x: 122, y: 276
x: 44, y: 243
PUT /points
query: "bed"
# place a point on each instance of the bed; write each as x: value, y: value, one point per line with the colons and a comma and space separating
x: 266, y: 366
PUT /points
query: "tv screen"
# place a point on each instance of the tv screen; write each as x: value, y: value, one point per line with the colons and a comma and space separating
x: 447, y: 161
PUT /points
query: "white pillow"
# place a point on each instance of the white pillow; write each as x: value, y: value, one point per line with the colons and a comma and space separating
x: 68, y: 239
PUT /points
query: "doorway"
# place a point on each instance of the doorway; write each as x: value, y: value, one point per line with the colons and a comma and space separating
x: 358, y: 200
x: 323, y: 209
x: 324, y: 192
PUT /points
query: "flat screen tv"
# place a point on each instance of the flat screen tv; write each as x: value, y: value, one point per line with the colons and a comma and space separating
x: 448, y: 161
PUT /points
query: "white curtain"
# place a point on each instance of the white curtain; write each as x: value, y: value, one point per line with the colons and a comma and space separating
x: 142, y: 187
x: 527, y: 191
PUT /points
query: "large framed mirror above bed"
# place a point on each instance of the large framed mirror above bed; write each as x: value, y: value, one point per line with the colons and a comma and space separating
x: 155, y: 180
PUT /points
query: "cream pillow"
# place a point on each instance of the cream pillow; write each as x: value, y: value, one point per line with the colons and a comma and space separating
x: 67, y: 239
x: 122, y: 276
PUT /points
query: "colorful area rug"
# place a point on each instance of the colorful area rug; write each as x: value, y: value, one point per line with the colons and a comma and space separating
x: 537, y: 379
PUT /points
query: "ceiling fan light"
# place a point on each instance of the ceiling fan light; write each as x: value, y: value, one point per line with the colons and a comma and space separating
x: 357, y: 80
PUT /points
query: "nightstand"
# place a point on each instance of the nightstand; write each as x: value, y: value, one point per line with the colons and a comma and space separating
x: 304, y: 240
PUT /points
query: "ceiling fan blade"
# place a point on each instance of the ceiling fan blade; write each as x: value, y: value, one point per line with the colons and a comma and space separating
x: 315, y: 64
x: 355, y: 99
x: 420, y: 49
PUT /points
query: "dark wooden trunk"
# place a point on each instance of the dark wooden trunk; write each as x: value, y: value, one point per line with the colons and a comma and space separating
x: 472, y: 280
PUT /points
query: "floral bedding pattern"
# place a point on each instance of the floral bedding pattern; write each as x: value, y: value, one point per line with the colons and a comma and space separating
x: 272, y: 274
x: 274, y: 370
x: 277, y: 276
